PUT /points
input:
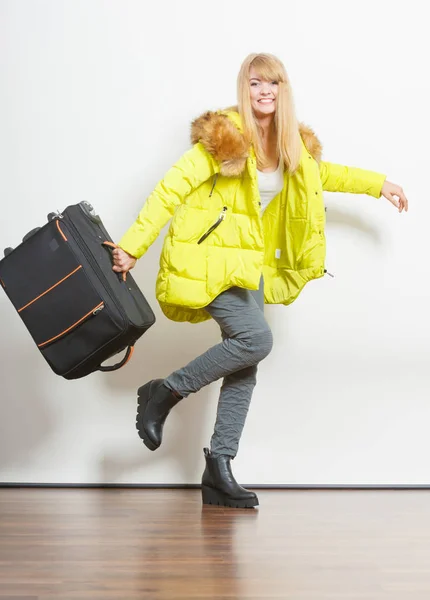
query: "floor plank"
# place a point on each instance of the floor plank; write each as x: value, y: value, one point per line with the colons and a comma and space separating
x: 75, y: 544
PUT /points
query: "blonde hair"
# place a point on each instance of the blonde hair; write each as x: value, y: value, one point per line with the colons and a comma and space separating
x: 270, y: 68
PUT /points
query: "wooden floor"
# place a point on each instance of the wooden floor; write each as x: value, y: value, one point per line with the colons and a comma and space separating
x: 162, y: 545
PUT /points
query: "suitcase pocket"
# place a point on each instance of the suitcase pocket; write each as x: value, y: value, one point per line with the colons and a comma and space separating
x: 61, y: 308
x: 72, y: 327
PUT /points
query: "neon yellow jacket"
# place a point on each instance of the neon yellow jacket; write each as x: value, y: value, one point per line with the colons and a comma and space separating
x: 217, y: 238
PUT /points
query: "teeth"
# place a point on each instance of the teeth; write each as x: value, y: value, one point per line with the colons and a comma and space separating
x: 265, y: 101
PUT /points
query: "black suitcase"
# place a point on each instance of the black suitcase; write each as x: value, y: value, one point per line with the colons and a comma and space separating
x: 77, y: 309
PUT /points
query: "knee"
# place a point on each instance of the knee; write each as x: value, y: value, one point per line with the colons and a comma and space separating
x: 260, y: 344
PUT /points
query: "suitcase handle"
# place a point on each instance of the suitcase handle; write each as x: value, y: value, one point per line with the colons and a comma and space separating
x: 124, y: 361
x: 110, y: 246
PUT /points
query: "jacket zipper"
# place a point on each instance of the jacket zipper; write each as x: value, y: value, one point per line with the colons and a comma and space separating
x: 214, y: 183
x: 224, y: 210
x: 214, y: 226
x: 95, y: 265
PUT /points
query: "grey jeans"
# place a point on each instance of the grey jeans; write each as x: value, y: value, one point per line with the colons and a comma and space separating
x: 247, y: 339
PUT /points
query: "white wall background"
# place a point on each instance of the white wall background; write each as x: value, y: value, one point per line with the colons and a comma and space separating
x: 96, y: 100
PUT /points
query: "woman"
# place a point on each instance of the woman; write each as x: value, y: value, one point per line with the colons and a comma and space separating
x: 248, y: 228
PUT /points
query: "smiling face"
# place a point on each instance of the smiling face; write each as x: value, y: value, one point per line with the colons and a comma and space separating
x: 263, y: 94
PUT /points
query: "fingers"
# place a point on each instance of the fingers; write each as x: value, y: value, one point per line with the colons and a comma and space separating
x: 116, y: 253
x: 119, y: 262
x: 399, y: 200
x: 122, y: 262
x: 394, y: 193
x: 393, y: 200
x: 397, y: 197
x: 121, y: 268
x: 119, y: 258
x: 403, y: 200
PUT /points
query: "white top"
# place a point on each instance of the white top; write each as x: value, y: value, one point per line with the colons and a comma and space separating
x: 270, y: 184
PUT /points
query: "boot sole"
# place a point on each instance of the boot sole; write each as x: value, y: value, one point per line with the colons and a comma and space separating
x: 217, y: 498
x: 142, y: 401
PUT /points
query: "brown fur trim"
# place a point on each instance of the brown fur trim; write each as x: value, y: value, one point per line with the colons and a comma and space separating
x: 221, y: 138
x: 310, y: 140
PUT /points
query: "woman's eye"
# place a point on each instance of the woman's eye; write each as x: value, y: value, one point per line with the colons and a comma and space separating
x: 275, y: 82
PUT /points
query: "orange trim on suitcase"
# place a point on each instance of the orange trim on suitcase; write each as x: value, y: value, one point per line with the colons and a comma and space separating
x: 71, y: 327
x: 111, y: 244
x: 51, y: 288
x: 59, y: 229
x: 129, y: 358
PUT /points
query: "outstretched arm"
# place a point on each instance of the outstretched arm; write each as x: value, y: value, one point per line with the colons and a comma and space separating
x: 340, y: 178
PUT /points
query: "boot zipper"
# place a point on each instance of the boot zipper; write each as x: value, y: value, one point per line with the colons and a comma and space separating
x: 214, y: 226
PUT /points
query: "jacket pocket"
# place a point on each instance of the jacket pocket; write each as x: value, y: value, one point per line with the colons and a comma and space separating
x: 312, y: 250
x: 215, y: 225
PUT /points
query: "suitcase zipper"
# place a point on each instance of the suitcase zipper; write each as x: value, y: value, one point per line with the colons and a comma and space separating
x: 90, y: 314
x: 96, y: 266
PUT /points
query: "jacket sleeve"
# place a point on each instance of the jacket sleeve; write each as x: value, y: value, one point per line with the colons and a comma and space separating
x: 352, y: 180
x: 191, y: 170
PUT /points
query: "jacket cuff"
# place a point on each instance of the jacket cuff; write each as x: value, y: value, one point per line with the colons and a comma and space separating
x: 129, y: 245
x: 376, y: 185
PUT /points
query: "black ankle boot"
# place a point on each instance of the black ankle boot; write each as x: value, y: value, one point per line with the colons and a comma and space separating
x: 154, y: 402
x: 219, y: 485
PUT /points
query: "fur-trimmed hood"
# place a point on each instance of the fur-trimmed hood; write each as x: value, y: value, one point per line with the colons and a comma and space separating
x: 221, y: 135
